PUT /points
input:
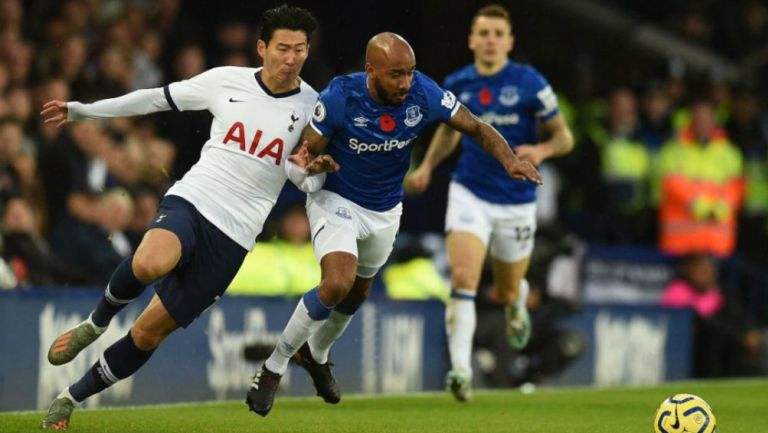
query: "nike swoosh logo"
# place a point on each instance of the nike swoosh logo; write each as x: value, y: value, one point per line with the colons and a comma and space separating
x: 235, y: 100
x: 676, y: 424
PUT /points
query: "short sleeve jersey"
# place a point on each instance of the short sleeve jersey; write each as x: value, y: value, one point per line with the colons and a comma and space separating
x: 371, y: 141
x: 513, y: 101
x: 240, y: 173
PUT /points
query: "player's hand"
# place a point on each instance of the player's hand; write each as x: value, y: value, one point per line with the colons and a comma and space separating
x: 54, y: 112
x: 319, y: 164
x: 419, y: 180
x: 524, y: 170
x: 323, y: 164
x: 532, y: 153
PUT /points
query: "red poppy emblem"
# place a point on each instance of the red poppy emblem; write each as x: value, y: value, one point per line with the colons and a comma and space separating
x: 386, y: 123
x: 485, y: 97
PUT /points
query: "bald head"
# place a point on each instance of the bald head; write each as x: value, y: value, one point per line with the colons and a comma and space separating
x: 387, y: 48
x: 390, y: 64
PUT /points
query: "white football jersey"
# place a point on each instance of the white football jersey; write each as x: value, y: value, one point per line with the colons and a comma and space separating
x: 240, y: 173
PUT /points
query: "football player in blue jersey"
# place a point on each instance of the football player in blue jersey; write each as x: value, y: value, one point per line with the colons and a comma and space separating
x: 367, y: 122
x: 485, y: 205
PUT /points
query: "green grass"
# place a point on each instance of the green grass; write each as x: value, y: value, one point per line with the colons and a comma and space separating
x: 740, y: 407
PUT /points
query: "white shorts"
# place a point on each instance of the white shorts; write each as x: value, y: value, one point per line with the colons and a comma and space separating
x: 338, y: 224
x: 508, y: 228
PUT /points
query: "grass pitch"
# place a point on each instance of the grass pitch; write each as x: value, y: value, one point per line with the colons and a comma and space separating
x: 740, y: 407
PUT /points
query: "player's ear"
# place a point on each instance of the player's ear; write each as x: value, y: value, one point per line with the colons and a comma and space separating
x: 261, y: 48
x: 470, y: 41
x: 511, y: 43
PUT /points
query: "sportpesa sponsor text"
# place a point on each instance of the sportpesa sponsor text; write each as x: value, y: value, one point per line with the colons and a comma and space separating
x: 386, y: 146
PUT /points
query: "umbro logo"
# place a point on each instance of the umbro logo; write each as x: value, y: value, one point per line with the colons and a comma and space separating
x: 235, y: 100
x: 361, y: 121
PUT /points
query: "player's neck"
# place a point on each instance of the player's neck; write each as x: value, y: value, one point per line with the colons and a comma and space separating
x: 277, y: 87
x: 484, y: 68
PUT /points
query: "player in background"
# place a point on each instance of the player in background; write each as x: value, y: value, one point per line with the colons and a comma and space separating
x: 485, y: 206
x: 208, y: 220
x: 367, y: 122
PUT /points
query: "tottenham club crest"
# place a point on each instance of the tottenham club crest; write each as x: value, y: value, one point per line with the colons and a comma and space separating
x: 509, y: 96
x: 413, y: 116
x: 294, y: 119
x: 319, y: 112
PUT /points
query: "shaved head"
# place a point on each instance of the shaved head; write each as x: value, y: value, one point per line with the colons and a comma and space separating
x: 390, y: 64
x: 387, y: 48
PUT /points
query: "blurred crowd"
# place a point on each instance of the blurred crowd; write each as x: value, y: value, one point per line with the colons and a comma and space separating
x: 75, y: 200
x: 673, y: 161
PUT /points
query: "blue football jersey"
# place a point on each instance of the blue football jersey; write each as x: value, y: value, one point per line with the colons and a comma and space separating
x: 514, y: 101
x: 372, y: 142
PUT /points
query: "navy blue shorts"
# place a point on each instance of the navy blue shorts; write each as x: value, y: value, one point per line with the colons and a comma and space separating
x: 209, y: 261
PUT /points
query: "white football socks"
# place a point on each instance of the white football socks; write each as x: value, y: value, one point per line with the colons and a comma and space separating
x: 321, y: 341
x: 296, y: 333
x: 460, y: 322
x: 522, y: 293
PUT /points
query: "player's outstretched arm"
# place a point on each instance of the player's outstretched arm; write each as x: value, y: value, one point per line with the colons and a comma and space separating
x: 136, y: 103
x: 443, y: 143
x: 466, y: 122
x: 560, y: 142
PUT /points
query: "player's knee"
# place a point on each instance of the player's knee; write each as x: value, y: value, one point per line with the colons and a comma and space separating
x: 333, y: 290
x: 462, y: 278
x: 357, y: 297
x: 146, y: 338
x: 148, y: 268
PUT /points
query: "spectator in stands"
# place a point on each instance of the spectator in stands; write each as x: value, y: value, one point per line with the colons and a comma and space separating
x: 30, y: 255
x: 700, y: 188
x: 625, y: 167
x: 656, y: 125
x: 235, y: 37
x: 20, y: 107
x: 748, y: 128
x: 115, y: 75
x: 145, y: 205
x: 187, y: 130
x: 71, y: 61
x: 78, y: 176
x: 146, y: 59
x: 18, y: 167
x: 100, y: 245
x: 553, y: 345
x: 725, y: 344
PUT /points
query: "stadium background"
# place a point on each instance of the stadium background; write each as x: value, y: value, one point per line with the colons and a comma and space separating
x: 75, y: 201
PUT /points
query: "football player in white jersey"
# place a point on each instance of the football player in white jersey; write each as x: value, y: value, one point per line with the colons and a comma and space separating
x: 208, y: 220
x: 488, y: 210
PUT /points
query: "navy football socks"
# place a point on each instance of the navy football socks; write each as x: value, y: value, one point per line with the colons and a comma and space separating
x: 119, y: 361
x: 123, y: 288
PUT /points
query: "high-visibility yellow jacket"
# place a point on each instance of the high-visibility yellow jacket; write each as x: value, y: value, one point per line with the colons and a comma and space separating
x: 701, y: 191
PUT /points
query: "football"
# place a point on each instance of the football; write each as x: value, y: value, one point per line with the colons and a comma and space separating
x: 684, y: 413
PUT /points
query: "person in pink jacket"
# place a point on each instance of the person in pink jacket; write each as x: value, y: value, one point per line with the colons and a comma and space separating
x: 696, y: 287
x: 726, y: 343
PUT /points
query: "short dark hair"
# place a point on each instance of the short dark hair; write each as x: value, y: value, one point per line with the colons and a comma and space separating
x: 287, y: 17
x: 493, y: 11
